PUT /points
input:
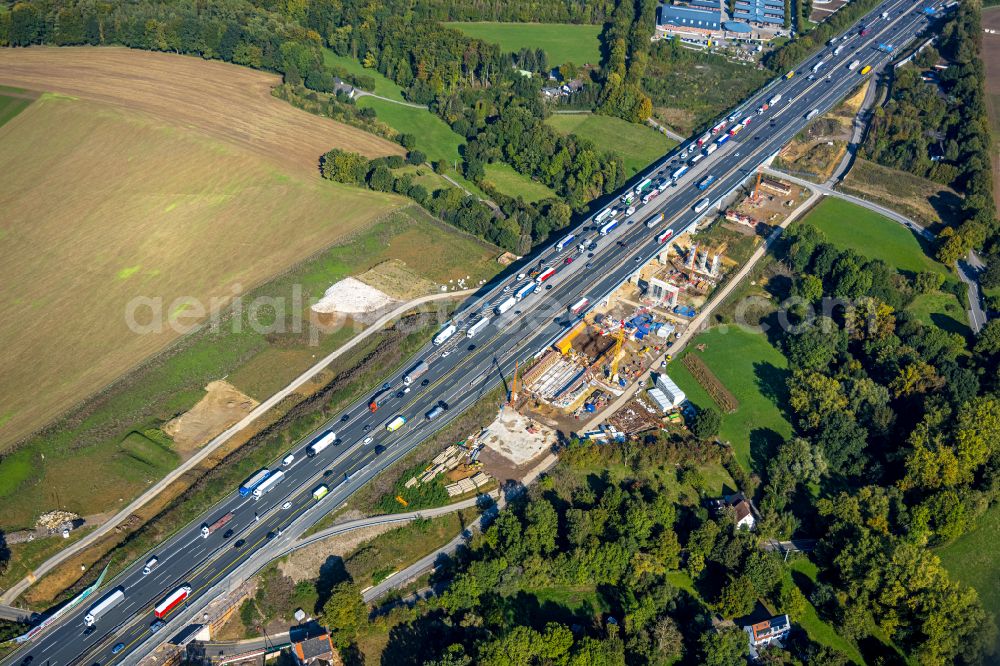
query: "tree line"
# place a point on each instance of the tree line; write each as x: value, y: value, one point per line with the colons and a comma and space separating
x: 516, y: 226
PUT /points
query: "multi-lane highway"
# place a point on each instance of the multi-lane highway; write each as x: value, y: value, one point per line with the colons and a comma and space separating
x: 463, y: 369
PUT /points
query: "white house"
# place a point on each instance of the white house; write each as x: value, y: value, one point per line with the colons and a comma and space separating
x: 764, y: 633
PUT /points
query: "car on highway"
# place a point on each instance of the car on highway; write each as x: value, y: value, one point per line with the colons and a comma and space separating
x: 506, y: 289
x: 399, y: 394
x: 547, y: 287
x: 345, y: 418
x: 271, y: 535
x: 445, y: 355
x: 368, y: 440
x: 228, y: 533
x: 239, y: 544
x: 286, y: 505
x: 471, y: 347
x: 156, y: 626
x: 368, y: 428
x: 569, y: 260
x: 637, y: 259
x: 379, y: 449
x: 288, y: 460
x: 117, y: 648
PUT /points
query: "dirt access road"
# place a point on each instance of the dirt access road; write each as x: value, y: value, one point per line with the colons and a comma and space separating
x: 228, y: 102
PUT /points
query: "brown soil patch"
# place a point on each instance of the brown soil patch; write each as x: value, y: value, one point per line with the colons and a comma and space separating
x: 222, y: 406
x: 227, y: 101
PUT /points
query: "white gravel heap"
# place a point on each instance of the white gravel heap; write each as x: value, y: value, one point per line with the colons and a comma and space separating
x: 352, y: 296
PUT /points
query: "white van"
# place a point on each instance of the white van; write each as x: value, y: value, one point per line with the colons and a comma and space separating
x: 288, y: 459
x: 150, y: 565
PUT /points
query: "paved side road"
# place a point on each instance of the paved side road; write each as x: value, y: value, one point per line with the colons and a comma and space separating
x: 968, y: 268
x: 16, y: 590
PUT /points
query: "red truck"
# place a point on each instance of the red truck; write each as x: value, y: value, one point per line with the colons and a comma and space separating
x: 207, y: 530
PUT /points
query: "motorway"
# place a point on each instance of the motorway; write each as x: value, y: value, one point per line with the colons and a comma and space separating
x: 462, y: 370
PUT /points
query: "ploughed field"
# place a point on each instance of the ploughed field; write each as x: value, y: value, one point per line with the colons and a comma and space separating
x: 149, y: 175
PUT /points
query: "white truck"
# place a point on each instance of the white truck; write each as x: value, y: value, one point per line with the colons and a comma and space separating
x: 444, y: 334
x: 854, y: 65
x: 269, y: 484
x: 478, y: 326
x: 701, y: 205
x: 321, y: 442
x: 505, y: 306
x: 103, y: 606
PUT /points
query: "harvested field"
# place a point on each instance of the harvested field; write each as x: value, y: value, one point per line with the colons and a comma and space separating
x: 224, y: 101
x: 85, y: 233
x: 726, y: 401
x: 991, y: 44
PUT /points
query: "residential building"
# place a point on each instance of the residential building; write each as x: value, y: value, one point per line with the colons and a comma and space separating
x: 317, y: 650
x: 769, y: 631
x: 741, y: 508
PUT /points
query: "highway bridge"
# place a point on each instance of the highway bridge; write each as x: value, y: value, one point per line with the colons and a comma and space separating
x: 462, y: 370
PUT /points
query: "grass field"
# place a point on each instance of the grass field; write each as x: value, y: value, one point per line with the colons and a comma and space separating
x: 13, y: 101
x: 973, y: 560
x: 187, y: 216
x: 578, y: 44
x: 434, y: 137
x: 943, y: 310
x: 847, y: 225
x: 926, y: 202
x: 383, y: 86
x: 504, y: 178
x: 97, y: 437
x: 697, y: 87
x: 755, y: 372
x: 638, y: 145
x: 804, y: 575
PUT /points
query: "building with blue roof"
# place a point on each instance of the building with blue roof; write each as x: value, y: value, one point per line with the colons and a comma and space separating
x: 771, y: 12
x: 694, y: 18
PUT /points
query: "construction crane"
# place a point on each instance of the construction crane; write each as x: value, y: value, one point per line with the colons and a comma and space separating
x: 616, y: 356
x: 513, y: 386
